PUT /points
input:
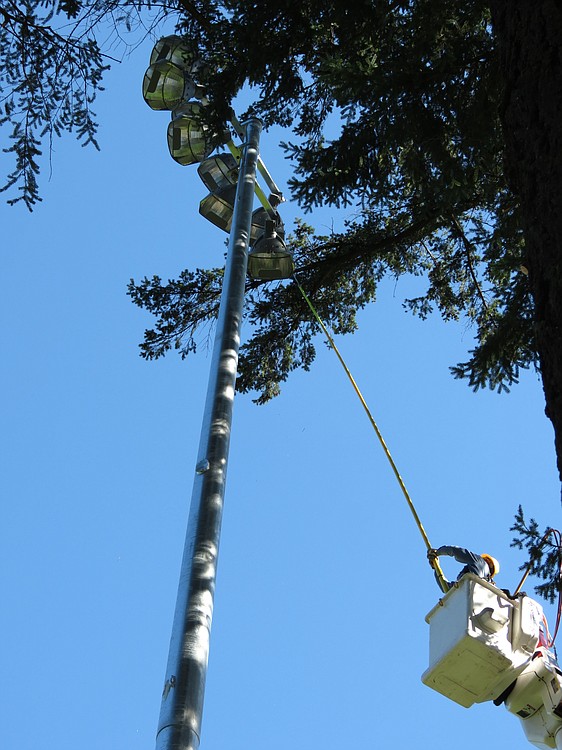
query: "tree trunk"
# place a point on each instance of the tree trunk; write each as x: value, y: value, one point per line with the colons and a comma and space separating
x: 529, y: 38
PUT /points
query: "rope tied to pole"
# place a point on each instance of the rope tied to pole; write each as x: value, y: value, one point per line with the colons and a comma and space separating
x: 435, y: 564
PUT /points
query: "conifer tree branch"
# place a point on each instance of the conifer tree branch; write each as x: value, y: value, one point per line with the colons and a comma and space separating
x: 192, y: 11
x: 469, y: 252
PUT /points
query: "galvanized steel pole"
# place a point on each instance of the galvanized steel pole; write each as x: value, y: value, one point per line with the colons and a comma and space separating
x: 182, y: 700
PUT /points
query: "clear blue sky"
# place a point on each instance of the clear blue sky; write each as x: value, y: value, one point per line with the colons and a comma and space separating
x: 319, y: 637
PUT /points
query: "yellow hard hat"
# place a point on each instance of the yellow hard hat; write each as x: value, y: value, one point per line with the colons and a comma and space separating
x: 492, y: 563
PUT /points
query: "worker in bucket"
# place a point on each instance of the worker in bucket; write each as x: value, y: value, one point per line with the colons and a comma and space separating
x: 484, y: 566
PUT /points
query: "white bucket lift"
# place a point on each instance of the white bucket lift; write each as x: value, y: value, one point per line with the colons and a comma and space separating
x: 481, y: 643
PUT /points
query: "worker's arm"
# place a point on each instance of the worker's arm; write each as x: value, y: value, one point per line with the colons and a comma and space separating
x: 461, y: 555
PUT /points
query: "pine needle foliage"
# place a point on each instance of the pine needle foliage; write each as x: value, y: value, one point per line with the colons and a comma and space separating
x: 51, y: 71
x: 544, y: 559
x: 411, y: 90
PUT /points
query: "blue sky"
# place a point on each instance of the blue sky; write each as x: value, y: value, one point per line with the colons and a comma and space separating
x: 319, y: 637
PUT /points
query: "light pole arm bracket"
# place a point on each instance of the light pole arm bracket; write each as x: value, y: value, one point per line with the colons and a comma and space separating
x: 262, y: 169
x: 261, y: 196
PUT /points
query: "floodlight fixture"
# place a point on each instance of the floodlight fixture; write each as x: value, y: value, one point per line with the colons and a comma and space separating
x: 269, y: 259
x: 259, y: 219
x: 218, y: 172
x: 189, y: 140
x: 218, y: 207
x: 165, y: 86
x: 174, y: 49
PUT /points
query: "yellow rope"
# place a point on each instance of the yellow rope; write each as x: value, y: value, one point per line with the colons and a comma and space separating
x: 437, y: 567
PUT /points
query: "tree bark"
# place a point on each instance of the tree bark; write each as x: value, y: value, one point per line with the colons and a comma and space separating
x: 529, y: 39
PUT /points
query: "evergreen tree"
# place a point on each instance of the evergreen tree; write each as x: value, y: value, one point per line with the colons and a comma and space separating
x: 450, y: 148
x: 450, y: 156
x: 420, y: 157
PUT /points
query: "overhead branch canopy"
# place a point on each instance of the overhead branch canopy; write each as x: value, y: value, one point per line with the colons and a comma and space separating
x: 393, y: 110
x: 413, y: 89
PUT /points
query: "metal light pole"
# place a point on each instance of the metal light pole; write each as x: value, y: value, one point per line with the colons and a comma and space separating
x: 182, y: 700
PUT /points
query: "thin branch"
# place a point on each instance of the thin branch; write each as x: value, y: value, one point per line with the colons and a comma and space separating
x: 48, y: 33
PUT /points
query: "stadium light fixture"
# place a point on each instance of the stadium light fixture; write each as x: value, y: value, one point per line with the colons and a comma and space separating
x: 169, y: 80
x: 218, y: 207
x: 218, y: 172
x: 189, y: 140
x: 269, y: 259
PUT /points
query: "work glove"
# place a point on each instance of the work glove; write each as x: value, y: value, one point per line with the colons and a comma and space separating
x: 432, y: 556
